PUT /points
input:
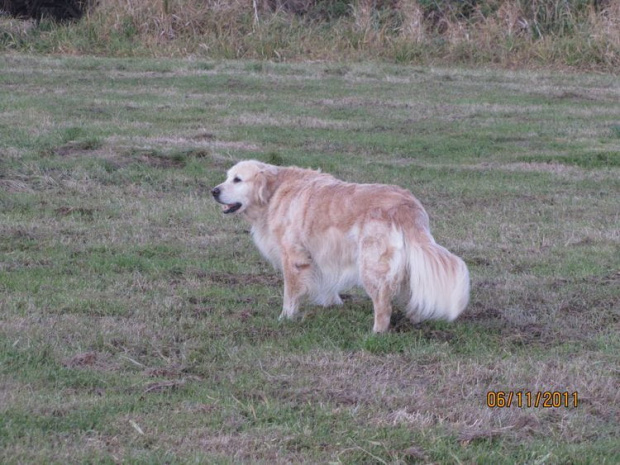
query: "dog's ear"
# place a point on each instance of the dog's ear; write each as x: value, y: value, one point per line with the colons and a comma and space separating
x: 266, y: 183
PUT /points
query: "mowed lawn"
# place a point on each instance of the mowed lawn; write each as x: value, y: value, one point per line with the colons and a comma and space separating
x: 139, y: 325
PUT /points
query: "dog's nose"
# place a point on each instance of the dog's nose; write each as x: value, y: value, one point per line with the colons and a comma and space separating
x: 215, y: 192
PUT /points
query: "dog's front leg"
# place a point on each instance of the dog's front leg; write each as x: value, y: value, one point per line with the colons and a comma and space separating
x: 296, y: 266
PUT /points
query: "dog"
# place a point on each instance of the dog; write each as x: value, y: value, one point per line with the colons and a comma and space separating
x: 327, y: 235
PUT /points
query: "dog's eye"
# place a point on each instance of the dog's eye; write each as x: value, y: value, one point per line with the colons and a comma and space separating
x: 236, y: 179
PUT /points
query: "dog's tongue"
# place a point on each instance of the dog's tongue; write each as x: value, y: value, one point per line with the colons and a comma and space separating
x: 230, y: 207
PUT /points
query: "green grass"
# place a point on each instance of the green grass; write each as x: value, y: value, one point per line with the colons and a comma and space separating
x: 139, y: 325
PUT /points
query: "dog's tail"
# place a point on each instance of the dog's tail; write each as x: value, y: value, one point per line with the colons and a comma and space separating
x: 438, y: 286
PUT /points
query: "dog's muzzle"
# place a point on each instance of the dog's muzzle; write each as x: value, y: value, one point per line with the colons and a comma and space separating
x: 226, y: 207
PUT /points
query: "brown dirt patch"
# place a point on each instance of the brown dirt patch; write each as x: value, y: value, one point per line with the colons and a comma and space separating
x: 90, y: 360
x: 78, y: 211
x: 235, y: 279
x: 156, y: 160
x: 80, y: 360
x: 71, y: 149
x: 165, y: 372
x: 476, y: 434
x: 164, y: 386
x: 204, y: 136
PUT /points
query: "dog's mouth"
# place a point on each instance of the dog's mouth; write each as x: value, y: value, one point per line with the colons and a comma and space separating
x: 231, y: 207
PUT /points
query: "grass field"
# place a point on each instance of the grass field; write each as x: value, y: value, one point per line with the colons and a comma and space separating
x: 139, y: 325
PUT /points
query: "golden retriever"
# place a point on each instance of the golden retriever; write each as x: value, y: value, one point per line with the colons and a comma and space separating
x: 326, y: 235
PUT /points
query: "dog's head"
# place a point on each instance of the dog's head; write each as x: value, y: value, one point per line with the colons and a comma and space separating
x: 248, y: 184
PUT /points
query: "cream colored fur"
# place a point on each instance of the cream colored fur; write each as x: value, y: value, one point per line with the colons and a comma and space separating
x: 326, y: 235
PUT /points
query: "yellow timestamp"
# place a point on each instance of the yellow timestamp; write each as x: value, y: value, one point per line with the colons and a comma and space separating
x: 532, y: 399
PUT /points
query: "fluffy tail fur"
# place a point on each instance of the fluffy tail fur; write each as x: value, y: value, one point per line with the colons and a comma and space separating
x: 438, y: 282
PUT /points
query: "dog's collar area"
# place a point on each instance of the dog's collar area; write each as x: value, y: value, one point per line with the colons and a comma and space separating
x: 231, y: 207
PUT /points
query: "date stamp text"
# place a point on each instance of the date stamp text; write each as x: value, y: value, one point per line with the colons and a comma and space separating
x: 532, y: 399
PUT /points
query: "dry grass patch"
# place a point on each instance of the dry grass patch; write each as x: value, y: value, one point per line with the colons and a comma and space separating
x: 303, y: 122
x: 433, y: 392
x: 555, y: 168
x: 567, y: 34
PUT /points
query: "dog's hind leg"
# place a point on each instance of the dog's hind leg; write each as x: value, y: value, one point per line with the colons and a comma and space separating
x: 297, y: 270
x: 381, y: 301
x: 381, y: 270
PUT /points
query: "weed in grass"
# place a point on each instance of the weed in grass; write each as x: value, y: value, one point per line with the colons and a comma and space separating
x: 275, y: 158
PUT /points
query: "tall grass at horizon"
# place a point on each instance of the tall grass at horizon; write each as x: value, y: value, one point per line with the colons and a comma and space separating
x: 563, y: 34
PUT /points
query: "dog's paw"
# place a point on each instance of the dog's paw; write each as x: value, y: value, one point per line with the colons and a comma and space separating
x: 286, y: 316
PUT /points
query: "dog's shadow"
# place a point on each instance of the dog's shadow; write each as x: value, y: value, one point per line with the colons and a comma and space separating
x: 399, y: 323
